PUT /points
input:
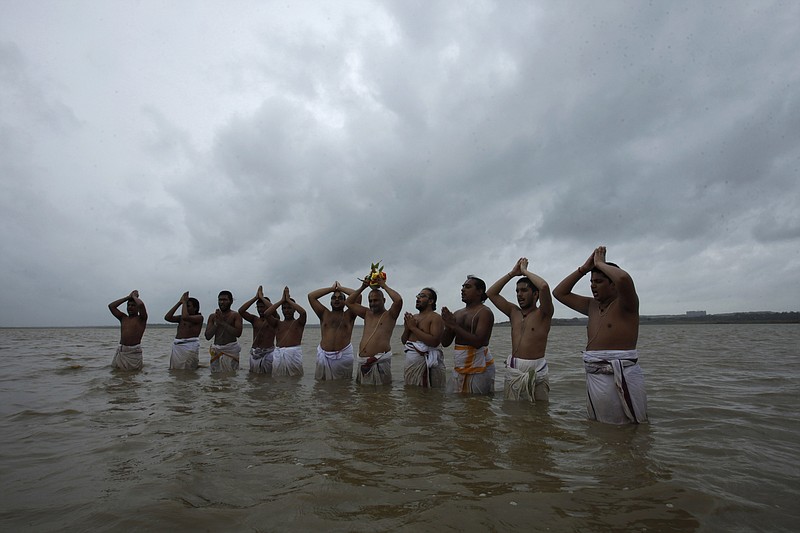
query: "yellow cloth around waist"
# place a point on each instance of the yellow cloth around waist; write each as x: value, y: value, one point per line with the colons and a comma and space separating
x: 471, y: 360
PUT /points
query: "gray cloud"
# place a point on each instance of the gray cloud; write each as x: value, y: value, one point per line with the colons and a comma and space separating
x: 292, y: 145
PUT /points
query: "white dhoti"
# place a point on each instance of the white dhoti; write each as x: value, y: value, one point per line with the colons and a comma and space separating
x: 185, y: 354
x: 527, y: 379
x: 261, y: 360
x: 375, y: 370
x: 334, y: 365
x: 473, y: 371
x: 288, y: 361
x: 225, y: 358
x: 615, y: 387
x: 424, y: 365
x: 127, y: 358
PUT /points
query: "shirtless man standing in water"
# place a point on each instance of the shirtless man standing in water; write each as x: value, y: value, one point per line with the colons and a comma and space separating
x: 132, y: 325
x: 527, y: 376
x: 471, y: 328
x: 614, y: 379
x: 335, y: 351
x: 422, y: 340
x: 288, y: 359
x: 225, y: 325
x: 263, y: 347
x: 375, y: 351
x: 186, y: 346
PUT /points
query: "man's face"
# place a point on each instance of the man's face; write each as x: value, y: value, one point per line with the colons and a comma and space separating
x: 526, y: 295
x: 132, y: 308
x: 424, y: 300
x: 470, y: 292
x: 288, y: 311
x: 261, y: 307
x: 602, y: 287
x: 376, y: 301
x: 337, y: 300
x: 224, y: 302
x: 191, y: 307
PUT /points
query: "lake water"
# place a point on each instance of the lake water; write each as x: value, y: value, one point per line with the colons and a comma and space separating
x: 87, y: 448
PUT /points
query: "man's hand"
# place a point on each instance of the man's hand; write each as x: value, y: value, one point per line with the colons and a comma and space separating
x: 448, y: 318
x: 600, y: 255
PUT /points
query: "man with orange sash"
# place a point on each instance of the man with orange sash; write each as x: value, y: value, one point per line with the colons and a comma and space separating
x: 471, y: 329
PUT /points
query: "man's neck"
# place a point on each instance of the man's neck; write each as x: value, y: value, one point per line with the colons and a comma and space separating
x: 606, y: 303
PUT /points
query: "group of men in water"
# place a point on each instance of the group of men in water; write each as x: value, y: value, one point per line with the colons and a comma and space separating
x: 614, y: 379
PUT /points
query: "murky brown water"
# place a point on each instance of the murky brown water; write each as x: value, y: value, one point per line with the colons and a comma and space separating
x: 87, y: 448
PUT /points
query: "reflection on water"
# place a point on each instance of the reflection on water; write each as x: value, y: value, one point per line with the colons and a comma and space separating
x: 162, y: 449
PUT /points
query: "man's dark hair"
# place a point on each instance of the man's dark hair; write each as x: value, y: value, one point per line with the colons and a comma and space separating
x: 434, y: 297
x: 481, y: 286
x: 229, y: 294
x: 595, y: 269
x: 527, y: 281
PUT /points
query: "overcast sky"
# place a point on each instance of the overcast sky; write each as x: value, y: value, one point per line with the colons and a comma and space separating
x: 183, y: 145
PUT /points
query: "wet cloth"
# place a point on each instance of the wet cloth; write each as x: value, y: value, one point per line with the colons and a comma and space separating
x: 424, y: 366
x: 225, y: 358
x: 261, y: 360
x: 288, y: 361
x: 375, y: 370
x: 334, y: 365
x: 473, y: 371
x: 185, y: 354
x: 527, y: 379
x: 127, y: 358
x: 615, y: 387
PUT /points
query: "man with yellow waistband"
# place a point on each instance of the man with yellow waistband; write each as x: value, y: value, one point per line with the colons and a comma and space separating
x: 471, y: 329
